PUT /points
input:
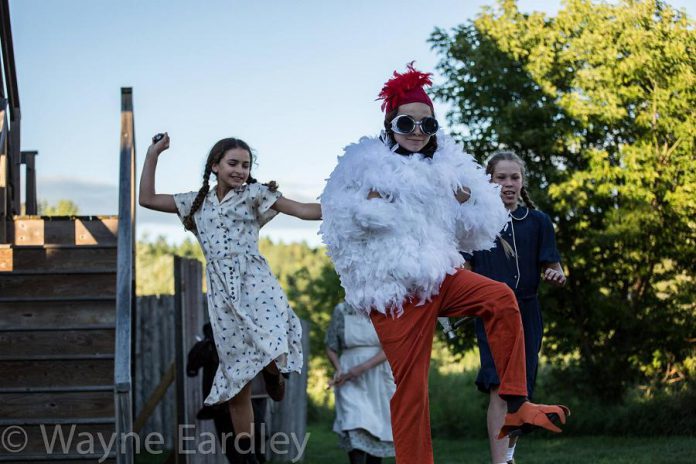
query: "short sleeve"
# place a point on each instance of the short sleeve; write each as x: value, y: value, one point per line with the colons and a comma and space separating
x: 263, y: 199
x: 183, y: 203
x: 335, y: 329
x: 548, y: 253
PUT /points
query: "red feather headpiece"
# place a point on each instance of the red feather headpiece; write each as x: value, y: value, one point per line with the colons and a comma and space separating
x: 405, y: 88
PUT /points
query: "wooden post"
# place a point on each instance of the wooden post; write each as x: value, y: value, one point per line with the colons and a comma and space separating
x: 125, y: 285
x: 190, y: 317
x: 289, y: 416
x: 5, y: 215
x: 15, y: 115
x: 30, y: 200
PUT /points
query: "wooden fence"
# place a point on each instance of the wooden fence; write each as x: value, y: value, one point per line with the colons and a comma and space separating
x: 155, y: 351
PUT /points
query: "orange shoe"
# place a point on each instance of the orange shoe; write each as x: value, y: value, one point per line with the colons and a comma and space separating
x: 530, y: 416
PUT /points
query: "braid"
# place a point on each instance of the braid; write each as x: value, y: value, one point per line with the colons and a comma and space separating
x: 527, y: 199
x: 189, y: 223
x: 215, y: 155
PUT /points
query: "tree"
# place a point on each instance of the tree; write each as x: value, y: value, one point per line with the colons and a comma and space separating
x: 62, y: 208
x: 599, y: 101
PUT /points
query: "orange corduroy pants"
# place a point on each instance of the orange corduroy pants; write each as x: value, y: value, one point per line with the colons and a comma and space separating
x: 407, y: 342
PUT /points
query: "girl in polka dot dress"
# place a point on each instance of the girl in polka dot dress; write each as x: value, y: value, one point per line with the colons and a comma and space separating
x: 255, y: 330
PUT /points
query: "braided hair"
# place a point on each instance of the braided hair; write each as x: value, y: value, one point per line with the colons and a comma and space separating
x: 511, y: 156
x: 215, y: 155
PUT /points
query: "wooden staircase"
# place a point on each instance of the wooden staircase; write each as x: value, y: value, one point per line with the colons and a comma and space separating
x: 57, y: 337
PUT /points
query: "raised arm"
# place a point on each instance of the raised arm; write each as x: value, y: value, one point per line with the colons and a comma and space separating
x: 309, y: 211
x: 147, y: 197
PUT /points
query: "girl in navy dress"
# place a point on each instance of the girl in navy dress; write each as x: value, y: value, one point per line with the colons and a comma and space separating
x: 527, y: 254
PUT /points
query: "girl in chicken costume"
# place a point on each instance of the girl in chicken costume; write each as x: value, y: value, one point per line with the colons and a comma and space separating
x: 398, y: 209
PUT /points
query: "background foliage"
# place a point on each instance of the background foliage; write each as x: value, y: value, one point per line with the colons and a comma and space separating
x: 599, y: 101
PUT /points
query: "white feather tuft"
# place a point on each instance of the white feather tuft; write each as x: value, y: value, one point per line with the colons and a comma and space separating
x: 400, y: 247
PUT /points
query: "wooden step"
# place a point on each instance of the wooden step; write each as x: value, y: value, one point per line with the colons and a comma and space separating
x: 61, y: 441
x: 57, y: 344
x: 65, y: 230
x: 50, y: 374
x: 51, y: 315
x: 59, y: 405
x: 58, y: 258
x: 53, y: 460
x: 74, y: 284
x: 53, y: 421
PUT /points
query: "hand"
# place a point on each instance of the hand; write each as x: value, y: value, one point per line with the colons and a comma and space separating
x: 159, y: 147
x: 554, y: 277
x: 462, y: 194
x: 352, y: 374
x: 333, y: 382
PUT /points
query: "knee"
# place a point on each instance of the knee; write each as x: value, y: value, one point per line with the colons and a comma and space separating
x: 505, y: 301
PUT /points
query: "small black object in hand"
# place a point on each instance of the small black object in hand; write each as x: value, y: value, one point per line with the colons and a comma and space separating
x: 157, y: 137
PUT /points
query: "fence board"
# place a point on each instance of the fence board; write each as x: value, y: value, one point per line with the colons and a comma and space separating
x: 156, y: 349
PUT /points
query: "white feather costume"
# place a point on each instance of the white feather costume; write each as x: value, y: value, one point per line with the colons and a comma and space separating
x: 402, y: 246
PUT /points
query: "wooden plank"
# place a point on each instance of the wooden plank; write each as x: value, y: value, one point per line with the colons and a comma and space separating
x: 61, y: 230
x: 168, y: 407
x: 23, y: 315
x: 290, y: 415
x: 67, y: 461
x: 67, y: 258
x: 29, y: 231
x: 40, y: 439
x: 49, y: 373
x: 58, y: 285
x: 125, y: 285
x: 6, y: 259
x: 155, y: 398
x: 56, y: 405
x: 57, y: 343
x: 30, y: 200
x: 96, y: 232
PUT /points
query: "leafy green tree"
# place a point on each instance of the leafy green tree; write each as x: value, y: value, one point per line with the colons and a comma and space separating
x: 62, y: 208
x: 599, y: 101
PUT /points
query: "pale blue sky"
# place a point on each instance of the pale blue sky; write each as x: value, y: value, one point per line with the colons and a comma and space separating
x: 295, y: 79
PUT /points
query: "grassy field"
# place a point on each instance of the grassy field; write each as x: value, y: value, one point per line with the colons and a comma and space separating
x: 322, y: 448
x: 543, y: 449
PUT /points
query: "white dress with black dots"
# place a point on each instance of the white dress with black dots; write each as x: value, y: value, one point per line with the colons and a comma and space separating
x: 251, y: 319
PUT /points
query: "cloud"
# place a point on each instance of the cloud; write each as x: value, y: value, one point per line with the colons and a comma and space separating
x: 95, y: 198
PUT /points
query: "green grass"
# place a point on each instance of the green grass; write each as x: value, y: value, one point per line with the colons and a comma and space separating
x: 322, y: 448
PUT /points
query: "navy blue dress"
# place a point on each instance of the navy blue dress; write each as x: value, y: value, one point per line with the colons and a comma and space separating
x: 536, y: 245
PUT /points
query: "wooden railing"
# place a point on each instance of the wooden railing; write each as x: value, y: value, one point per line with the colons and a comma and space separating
x: 125, y: 284
x: 10, y: 156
